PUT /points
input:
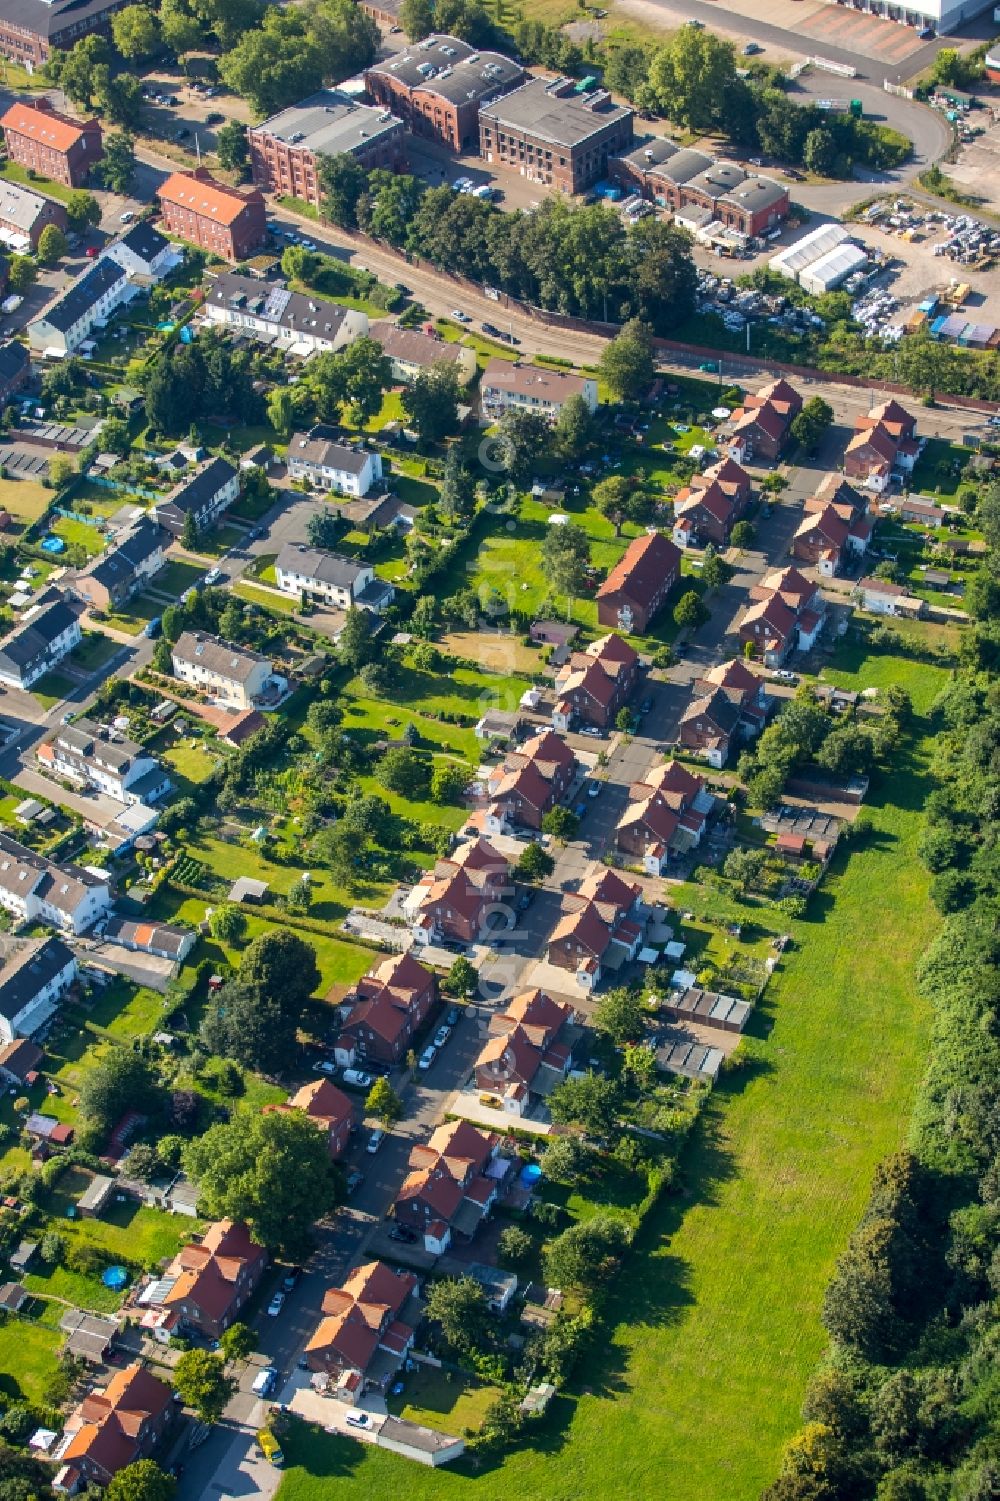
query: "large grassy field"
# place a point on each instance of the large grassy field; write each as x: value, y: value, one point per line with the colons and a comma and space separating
x: 716, y: 1319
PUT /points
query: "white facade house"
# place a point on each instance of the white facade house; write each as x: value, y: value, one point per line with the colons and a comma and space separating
x: 326, y: 576
x: 34, y: 974
x: 322, y: 459
x: 290, y: 320
x: 84, y: 307
x: 35, y: 889
x: 48, y: 631
x: 236, y: 677
x: 94, y: 755
x: 529, y: 388
x: 144, y: 252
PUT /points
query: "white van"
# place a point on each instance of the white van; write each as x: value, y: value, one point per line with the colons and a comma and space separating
x: 264, y: 1381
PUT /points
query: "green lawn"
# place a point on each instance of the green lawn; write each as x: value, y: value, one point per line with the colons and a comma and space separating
x: 52, y: 688
x: 25, y: 499
x: 14, y: 172
x: 715, y: 1325
x: 265, y: 598
x: 79, y: 534
x: 95, y: 650
x: 73, y: 1287
x: 939, y: 467
x: 126, y: 1230
x: 175, y: 577
x: 28, y: 1359
x: 449, y: 1401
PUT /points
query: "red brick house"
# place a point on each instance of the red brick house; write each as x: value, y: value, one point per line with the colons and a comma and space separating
x: 821, y: 539
x: 437, y: 88
x: 225, y: 221
x: 451, y: 1186
x: 52, y: 144
x: 361, y: 1339
x: 532, y: 779
x: 457, y: 900
x: 605, y: 909
x: 328, y: 1108
x: 786, y: 612
x: 594, y: 684
x: 729, y: 703
x: 215, y: 1278
x: 524, y: 1056
x: 769, y: 624
x: 759, y: 428
x: 636, y: 589
x: 702, y: 516
x: 392, y: 1002
x: 113, y: 1428
x: 667, y: 815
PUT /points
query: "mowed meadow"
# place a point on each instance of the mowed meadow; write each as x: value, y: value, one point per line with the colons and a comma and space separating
x: 715, y: 1320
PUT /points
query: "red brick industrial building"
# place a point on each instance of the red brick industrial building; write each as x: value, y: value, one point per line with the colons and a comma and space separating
x: 284, y: 150
x: 437, y: 86
x: 52, y: 144
x: 220, y: 219
x: 554, y: 135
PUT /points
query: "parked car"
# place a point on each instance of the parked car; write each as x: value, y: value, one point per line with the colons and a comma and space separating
x: 452, y: 1016
x: 126, y: 217
x: 441, y: 1036
x: 324, y: 1066
x: 215, y: 118
x: 751, y: 49
x: 645, y: 706
x: 358, y: 1079
x: 265, y: 1381
x: 356, y: 1419
x: 593, y: 789
x: 213, y: 575
x: 402, y: 1233
x: 460, y: 317
x: 784, y: 676
x: 291, y: 1279
x: 276, y: 1304
x: 427, y: 1057
x: 375, y: 1140
x: 354, y: 1181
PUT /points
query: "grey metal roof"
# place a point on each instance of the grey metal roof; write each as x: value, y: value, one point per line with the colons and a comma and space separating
x: 313, y: 563
x: 683, y: 165
x: 329, y: 123
x: 451, y: 68
x: 323, y: 446
x: 26, y: 967
x: 144, y: 241
x: 200, y: 488
x: 19, y: 206
x: 650, y: 152
x: 31, y: 640
x: 563, y: 119
x: 275, y: 306
x: 237, y: 663
x: 79, y: 298
x: 757, y: 193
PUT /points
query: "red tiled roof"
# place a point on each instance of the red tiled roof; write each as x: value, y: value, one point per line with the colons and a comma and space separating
x: 198, y: 192
x: 641, y: 570
x: 43, y: 125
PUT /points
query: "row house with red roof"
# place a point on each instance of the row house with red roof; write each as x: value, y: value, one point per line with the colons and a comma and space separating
x: 367, y: 1330
x: 210, y: 1281
x: 707, y: 509
x: 636, y: 589
x: 729, y: 706
x: 601, y: 927
x: 885, y: 440
x: 666, y: 816
x: 328, y: 1108
x: 112, y: 1428
x: 527, y: 1052
x: 835, y: 526
x: 452, y: 1185
x: 461, y: 896
x: 785, y: 614
x: 594, y: 684
x: 759, y: 429
x: 389, y: 1005
x: 532, y: 779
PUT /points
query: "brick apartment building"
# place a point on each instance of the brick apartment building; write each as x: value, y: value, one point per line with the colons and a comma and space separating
x: 52, y: 144
x: 689, y: 182
x: 30, y: 29
x: 636, y: 589
x: 437, y: 86
x: 285, y: 150
x: 219, y: 219
x: 552, y: 134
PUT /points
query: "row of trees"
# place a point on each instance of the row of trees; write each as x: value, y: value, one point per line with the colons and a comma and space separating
x: 904, y: 1408
x: 576, y: 259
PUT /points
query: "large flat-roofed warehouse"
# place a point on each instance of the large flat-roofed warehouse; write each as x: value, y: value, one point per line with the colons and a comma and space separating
x: 284, y: 150
x: 438, y: 85
x: 552, y: 133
